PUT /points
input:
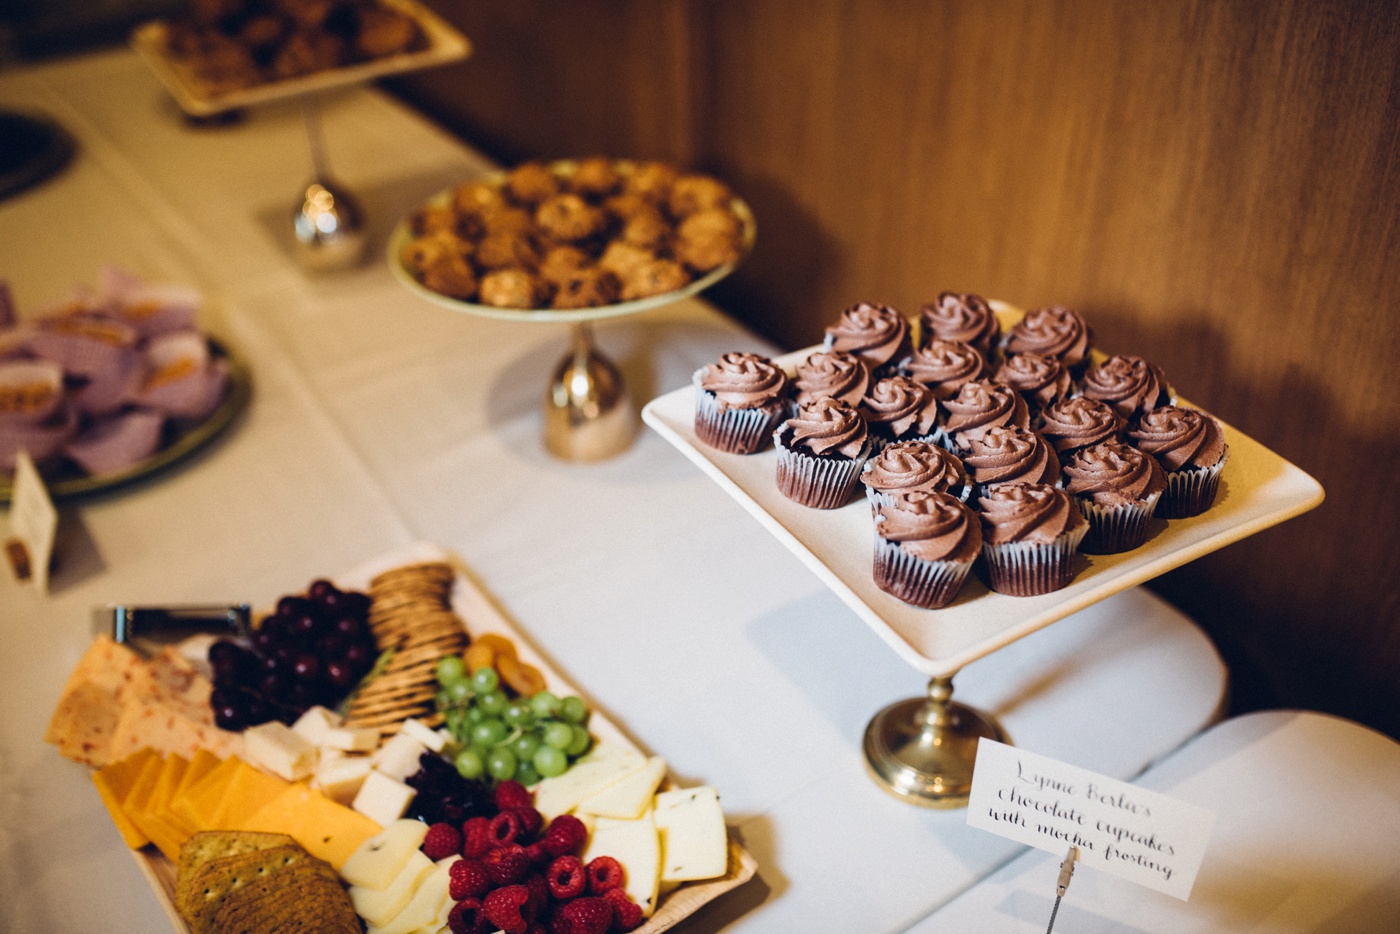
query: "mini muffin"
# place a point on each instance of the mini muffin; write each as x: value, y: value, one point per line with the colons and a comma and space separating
x: 651, y: 180
x: 961, y: 316
x: 1079, y: 422
x: 1130, y: 384
x: 877, y: 334
x: 925, y: 546
x: 653, y: 277
x: 1002, y: 456
x: 532, y: 182
x: 692, y: 193
x: 1040, y: 380
x: 563, y: 262
x: 624, y: 258
x: 511, y: 287
x: 945, y: 365
x: 1191, y: 449
x: 1030, y: 534
x: 586, y: 288
x: 821, y: 450
x: 708, y: 239
x: 504, y: 248
x: 567, y: 218
x: 477, y: 197
x: 646, y: 227
x: 739, y: 400
x: 831, y: 374
x: 898, y: 409
x: 1117, y: 488
x: 1055, y: 332
x: 978, y: 406
x: 913, y: 466
x: 595, y: 177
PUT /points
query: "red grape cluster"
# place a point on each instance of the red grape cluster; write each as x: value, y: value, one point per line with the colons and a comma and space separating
x: 313, y: 650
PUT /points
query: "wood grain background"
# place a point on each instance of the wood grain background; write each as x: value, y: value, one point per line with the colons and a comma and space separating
x: 1214, y: 184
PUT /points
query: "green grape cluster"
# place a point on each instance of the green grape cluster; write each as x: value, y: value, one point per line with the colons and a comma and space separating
x: 499, y: 737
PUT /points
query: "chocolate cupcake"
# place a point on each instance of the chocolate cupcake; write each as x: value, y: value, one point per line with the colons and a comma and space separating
x: 1029, y: 537
x: 1117, y: 487
x: 978, y: 406
x: 1041, y: 380
x: 877, y: 334
x: 831, y: 374
x: 945, y: 365
x: 821, y: 450
x: 1079, y: 422
x: 961, y: 316
x: 913, y: 467
x: 1055, y: 332
x: 898, y: 409
x: 1003, y: 456
x: 1191, y: 449
x: 1130, y: 384
x: 738, y: 401
x: 925, y: 546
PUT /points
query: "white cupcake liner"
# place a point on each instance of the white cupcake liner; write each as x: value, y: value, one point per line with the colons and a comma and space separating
x: 1113, y: 529
x: 1026, y: 569
x: 818, y: 482
x: 1192, y: 491
x: 926, y: 584
x: 738, y: 431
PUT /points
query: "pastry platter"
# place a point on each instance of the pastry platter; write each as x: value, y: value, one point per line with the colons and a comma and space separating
x: 442, y: 44
x: 1258, y: 489
x: 482, y: 616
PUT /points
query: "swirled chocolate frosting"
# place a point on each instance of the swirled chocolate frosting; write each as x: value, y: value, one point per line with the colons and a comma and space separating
x: 906, y: 466
x: 1114, y: 474
x: 944, y: 365
x: 931, y: 526
x: 825, y: 426
x: 1130, y: 384
x: 1179, y: 437
x: 1027, y: 513
x: 831, y: 374
x: 983, y: 404
x: 1055, y: 332
x: 1039, y: 379
x: 1010, y: 455
x: 961, y: 316
x: 875, y: 333
x: 899, y: 408
x: 744, y: 381
x: 1079, y: 422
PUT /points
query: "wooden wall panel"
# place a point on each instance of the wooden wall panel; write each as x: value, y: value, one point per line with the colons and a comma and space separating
x: 1215, y: 184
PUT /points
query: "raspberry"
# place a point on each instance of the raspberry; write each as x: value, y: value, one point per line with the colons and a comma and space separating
x: 604, y: 873
x: 468, y: 878
x: 466, y: 917
x: 566, y: 878
x: 505, y: 828
x: 539, y: 892
x: 508, y: 907
x: 442, y: 841
x: 512, y: 794
x: 507, y: 864
x: 538, y: 855
x: 586, y: 916
x: 565, y: 835
x: 627, y: 914
x: 530, y: 821
x: 476, y: 837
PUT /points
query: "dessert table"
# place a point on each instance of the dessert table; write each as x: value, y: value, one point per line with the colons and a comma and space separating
x: 379, y: 420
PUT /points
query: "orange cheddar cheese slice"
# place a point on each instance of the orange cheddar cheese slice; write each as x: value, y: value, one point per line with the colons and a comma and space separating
x: 158, y: 804
x: 167, y: 838
x: 114, y: 783
x: 327, y: 830
x: 247, y: 792
x: 201, y: 798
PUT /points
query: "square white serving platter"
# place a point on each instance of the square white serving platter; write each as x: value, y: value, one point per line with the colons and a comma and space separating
x: 1258, y: 489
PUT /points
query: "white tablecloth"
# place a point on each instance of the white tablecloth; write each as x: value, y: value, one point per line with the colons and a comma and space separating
x: 379, y: 420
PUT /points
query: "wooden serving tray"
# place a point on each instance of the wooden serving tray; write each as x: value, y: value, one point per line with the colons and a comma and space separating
x: 481, y: 616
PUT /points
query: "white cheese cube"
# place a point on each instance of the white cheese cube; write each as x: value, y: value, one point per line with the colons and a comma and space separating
x: 694, y: 843
x: 634, y: 844
x: 628, y: 797
x: 603, y: 765
x: 379, y: 860
x: 382, y: 799
x: 379, y: 906
x: 398, y: 757
x: 313, y: 724
x: 340, y: 779
x: 429, y: 737
x: 423, y: 908
x: 364, y: 739
x: 274, y: 747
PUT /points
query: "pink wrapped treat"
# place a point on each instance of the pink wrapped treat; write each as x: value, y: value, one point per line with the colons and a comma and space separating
x: 42, y: 441
x: 30, y: 391
x: 180, y: 380
x: 117, y: 443
x: 84, y: 344
x: 150, y: 308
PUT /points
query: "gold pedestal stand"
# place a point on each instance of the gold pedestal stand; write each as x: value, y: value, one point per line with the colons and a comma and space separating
x: 587, y: 412
x: 922, y: 750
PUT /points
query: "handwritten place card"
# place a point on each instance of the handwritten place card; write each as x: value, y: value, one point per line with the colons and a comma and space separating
x: 1140, y: 835
x: 33, y: 519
